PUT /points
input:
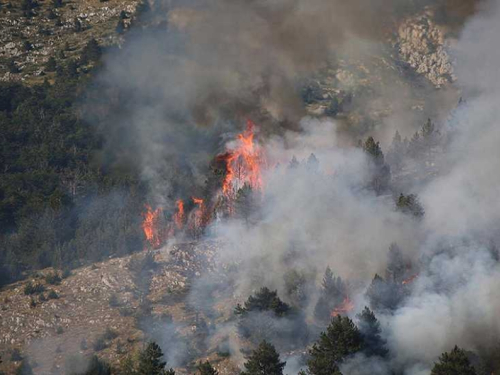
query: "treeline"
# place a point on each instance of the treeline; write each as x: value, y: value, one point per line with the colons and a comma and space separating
x: 60, y: 203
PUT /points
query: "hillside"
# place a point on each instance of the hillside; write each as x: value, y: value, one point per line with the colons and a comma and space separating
x: 32, y: 31
x: 110, y: 301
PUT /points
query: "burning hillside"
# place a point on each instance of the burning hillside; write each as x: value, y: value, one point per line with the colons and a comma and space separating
x: 243, y: 161
x: 351, y: 229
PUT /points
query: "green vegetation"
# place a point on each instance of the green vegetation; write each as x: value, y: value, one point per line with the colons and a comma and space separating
x: 265, y: 360
x: 264, y: 300
x: 453, y: 363
x: 31, y: 288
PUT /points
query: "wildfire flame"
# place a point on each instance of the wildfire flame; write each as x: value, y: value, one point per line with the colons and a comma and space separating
x: 243, y: 163
x: 179, y: 215
x: 150, y: 226
x: 344, y: 308
x: 198, y: 216
x: 409, y: 280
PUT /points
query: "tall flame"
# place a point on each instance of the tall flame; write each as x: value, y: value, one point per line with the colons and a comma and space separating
x: 198, y: 216
x: 150, y: 226
x: 243, y: 163
x: 179, y: 215
x: 344, y: 308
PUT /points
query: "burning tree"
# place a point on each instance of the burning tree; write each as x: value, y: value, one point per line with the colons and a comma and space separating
x: 333, y: 299
x: 243, y: 161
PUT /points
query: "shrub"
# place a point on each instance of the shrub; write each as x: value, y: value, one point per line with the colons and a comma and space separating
x: 53, y: 278
x: 59, y: 330
x: 15, y: 355
x: 109, y: 334
x: 126, y: 311
x: 31, y: 288
x: 100, y: 344
x: 114, y: 301
x: 53, y: 294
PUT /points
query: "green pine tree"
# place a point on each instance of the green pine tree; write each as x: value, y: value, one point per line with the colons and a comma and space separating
x: 369, y: 327
x: 24, y: 368
x: 410, y: 204
x: 205, y: 368
x: 453, y: 363
x: 264, y: 300
x: 341, y: 339
x: 150, y: 361
x: 265, y: 360
x: 51, y: 64
x: 98, y: 367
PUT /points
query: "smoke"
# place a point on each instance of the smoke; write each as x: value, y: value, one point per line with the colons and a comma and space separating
x: 177, y: 90
x: 187, y: 90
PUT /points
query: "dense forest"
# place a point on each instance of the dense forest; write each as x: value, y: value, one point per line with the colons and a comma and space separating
x: 53, y: 177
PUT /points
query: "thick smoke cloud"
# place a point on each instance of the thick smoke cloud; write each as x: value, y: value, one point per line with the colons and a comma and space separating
x: 207, y: 66
x: 223, y: 61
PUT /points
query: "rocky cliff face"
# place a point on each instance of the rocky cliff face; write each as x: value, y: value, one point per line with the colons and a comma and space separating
x: 422, y: 44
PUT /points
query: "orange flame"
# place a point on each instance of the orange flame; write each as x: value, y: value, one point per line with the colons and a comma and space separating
x: 179, y: 215
x: 243, y: 163
x: 409, y: 280
x: 344, y: 308
x: 198, y: 216
x: 150, y: 226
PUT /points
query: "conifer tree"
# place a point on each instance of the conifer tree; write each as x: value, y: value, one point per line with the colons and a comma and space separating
x: 369, y: 326
x: 150, y: 361
x: 380, y: 171
x: 396, y: 268
x: 265, y: 360
x: 98, y: 367
x: 24, y: 368
x: 51, y: 64
x: 453, y: 363
x: 410, y: 204
x: 205, y: 368
x: 341, y: 339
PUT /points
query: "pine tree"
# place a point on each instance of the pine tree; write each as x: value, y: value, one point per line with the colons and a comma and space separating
x: 51, y: 64
x: 313, y: 163
x: 120, y: 26
x: 97, y: 367
x: 150, y: 361
x: 373, y: 343
x: 384, y: 295
x: 410, y: 204
x: 265, y: 360
x: 91, y: 52
x: 264, y: 300
x: 71, y: 70
x: 244, y: 203
x: 205, y: 368
x: 333, y: 291
x: 380, y: 171
x: 341, y: 339
x: 453, y: 363
x: 294, y: 164
x: 396, y: 267
x: 77, y: 25
x: 24, y: 368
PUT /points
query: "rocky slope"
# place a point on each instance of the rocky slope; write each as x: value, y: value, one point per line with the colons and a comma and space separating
x: 108, y: 309
x: 31, y: 32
